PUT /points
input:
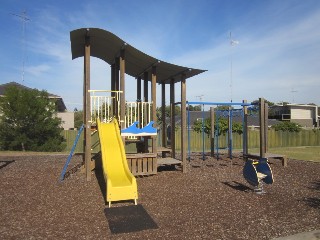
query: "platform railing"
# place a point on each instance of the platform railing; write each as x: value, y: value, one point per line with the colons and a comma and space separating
x: 105, y: 105
x: 138, y: 111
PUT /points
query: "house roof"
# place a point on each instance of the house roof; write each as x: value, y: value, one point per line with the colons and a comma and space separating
x: 297, y: 105
x: 107, y: 46
x: 60, y: 102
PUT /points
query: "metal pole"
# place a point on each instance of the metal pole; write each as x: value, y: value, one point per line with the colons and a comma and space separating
x: 212, y: 131
x: 189, y: 148
x: 203, y: 157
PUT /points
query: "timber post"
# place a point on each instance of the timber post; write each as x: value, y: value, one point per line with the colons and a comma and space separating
x: 154, y: 106
x: 245, y: 131
x: 163, y: 115
x: 183, y: 124
x: 122, y: 89
x: 172, y: 120
x: 262, y: 127
x: 86, y: 97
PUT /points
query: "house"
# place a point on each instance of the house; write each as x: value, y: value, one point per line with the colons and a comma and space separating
x: 66, y: 117
x: 307, y: 115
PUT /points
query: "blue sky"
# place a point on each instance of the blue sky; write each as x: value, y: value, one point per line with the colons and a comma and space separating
x: 278, y: 55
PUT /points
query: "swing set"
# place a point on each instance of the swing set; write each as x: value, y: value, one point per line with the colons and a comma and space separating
x: 215, y: 116
x: 256, y: 170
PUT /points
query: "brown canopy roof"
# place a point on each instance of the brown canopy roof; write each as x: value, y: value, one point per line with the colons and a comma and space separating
x: 106, y: 46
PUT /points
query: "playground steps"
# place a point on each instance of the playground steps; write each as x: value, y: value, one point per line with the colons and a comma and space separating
x: 163, y: 151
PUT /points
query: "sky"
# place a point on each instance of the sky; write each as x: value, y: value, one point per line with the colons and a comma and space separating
x: 275, y: 55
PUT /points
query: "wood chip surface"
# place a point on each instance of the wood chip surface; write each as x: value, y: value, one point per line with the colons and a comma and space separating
x: 211, y: 201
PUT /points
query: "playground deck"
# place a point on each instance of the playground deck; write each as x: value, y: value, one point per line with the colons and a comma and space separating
x: 144, y: 164
x: 168, y: 161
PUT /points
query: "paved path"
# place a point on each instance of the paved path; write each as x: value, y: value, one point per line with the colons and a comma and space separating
x: 313, y: 235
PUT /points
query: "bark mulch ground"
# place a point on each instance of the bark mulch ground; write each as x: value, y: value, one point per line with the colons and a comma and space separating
x: 211, y: 201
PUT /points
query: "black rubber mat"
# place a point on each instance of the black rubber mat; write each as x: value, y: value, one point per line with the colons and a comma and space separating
x: 129, y: 219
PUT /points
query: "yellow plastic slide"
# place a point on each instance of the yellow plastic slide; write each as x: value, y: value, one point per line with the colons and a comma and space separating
x: 121, y: 184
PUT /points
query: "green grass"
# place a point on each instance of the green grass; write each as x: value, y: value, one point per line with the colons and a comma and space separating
x: 27, y: 153
x: 299, y: 153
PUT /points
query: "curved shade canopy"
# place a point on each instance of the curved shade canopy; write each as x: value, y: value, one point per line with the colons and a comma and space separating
x: 107, y: 46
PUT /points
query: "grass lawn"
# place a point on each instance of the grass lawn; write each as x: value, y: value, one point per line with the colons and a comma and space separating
x: 299, y: 153
x: 27, y: 153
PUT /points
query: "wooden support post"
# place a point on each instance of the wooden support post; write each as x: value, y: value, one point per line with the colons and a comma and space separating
x: 266, y: 113
x: 139, y: 105
x: 122, y: 88
x: 145, y: 86
x: 145, y: 96
x: 146, y: 110
x: 230, y: 132
x: 245, y: 132
x: 172, y: 119
x: 163, y: 115
x: 86, y: 107
x: 212, y: 131
x: 183, y: 124
x: 117, y: 86
x: 139, y: 89
x: 262, y: 127
x: 113, y: 87
x: 154, y: 105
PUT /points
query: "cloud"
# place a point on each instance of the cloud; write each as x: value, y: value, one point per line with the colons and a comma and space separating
x: 278, y: 50
x: 268, y: 65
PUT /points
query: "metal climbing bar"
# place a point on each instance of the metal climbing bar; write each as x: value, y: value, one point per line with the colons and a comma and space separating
x: 71, y: 153
x: 220, y: 103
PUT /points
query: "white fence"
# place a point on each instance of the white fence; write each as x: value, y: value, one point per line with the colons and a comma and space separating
x: 105, y: 105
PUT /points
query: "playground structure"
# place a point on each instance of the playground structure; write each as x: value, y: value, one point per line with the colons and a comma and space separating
x: 137, y: 119
x: 108, y: 104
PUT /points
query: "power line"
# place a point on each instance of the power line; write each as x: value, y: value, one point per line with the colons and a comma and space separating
x: 293, y: 91
x: 200, y: 97
x: 232, y: 43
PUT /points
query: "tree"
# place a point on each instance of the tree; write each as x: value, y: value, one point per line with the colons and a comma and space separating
x: 195, y: 108
x: 28, y: 121
x: 167, y: 113
x: 287, y: 126
x: 78, y: 118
